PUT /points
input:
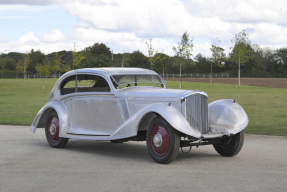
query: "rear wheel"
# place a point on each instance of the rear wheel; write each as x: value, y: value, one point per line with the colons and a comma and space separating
x: 162, y: 141
x: 231, y: 145
x: 52, y: 131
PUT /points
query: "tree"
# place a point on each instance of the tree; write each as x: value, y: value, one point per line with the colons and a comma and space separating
x: 25, y: 62
x: 279, y: 62
x: 19, y: 66
x: 77, y: 56
x: 58, y: 62
x: 54, y: 65
x: 203, y: 63
x: 152, y: 57
x: 137, y: 59
x: 160, y: 63
x: 217, y: 58
x: 3, y: 65
x: 3, y: 62
x: 35, y: 58
x: 241, y: 50
x: 183, y: 51
x: 263, y: 57
x: 44, y: 70
x: 98, y: 55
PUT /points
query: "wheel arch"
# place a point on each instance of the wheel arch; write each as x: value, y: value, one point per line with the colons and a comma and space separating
x: 58, y: 107
x: 142, y: 118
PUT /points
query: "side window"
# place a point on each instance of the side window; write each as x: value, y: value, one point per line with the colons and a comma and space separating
x: 68, y: 85
x: 92, y: 83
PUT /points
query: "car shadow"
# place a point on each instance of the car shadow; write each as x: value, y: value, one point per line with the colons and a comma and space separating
x: 136, y: 151
x: 128, y: 150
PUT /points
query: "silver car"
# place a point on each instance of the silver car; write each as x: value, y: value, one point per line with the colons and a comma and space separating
x: 133, y: 104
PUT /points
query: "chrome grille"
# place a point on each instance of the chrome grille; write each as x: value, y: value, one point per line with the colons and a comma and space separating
x: 197, y: 112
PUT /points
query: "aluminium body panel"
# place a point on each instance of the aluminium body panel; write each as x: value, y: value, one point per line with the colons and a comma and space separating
x: 227, y: 116
x: 96, y: 114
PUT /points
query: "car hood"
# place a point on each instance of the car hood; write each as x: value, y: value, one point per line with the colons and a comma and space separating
x: 155, y: 92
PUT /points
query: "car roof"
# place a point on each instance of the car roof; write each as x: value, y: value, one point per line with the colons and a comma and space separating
x: 115, y: 70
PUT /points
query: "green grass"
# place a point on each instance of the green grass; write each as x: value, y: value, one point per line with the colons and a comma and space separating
x: 20, y: 101
x: 266, y: 107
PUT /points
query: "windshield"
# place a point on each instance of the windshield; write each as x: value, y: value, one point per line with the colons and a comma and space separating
x: 121, y: 81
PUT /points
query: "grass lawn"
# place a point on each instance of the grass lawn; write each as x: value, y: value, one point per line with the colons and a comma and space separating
x: 266, y: 107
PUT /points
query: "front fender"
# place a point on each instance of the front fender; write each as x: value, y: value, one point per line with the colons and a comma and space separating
x: 227, y: 117
x: 169, y: 113
x: 63, y: 116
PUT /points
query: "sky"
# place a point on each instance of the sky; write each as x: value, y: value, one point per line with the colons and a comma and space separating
x: 126, y: 25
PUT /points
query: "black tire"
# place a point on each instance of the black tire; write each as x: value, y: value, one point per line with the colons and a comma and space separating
x: 230, y: 146
x: 162, y: 141
x: 52, y: 129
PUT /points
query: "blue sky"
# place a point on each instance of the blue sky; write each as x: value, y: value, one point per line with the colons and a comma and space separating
x: 125, y: 25
x: 19, y: 19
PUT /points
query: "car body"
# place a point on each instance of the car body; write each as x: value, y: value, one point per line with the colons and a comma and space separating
x: 122, y: 104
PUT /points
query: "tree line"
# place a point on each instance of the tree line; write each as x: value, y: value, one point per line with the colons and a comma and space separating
x: 245, y: 60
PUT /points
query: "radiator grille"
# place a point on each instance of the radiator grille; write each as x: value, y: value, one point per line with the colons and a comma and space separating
x: 197, y: 112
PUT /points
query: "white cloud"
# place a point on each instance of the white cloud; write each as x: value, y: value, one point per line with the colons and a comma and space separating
x: 145, y: 18
x: 243, y: 11
x: 103, y: 36
x: 125, y: 25
x: 29, y: 39
x: 54, y: 36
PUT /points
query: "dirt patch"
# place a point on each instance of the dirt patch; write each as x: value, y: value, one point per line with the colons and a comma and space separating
x: 258, y: 82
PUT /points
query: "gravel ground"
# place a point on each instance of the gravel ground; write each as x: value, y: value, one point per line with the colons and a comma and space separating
x: 28, y: 163
x: 259, y: 82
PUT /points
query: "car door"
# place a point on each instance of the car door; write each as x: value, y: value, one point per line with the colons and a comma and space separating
x: 67, y: 90
x: 95, y: 108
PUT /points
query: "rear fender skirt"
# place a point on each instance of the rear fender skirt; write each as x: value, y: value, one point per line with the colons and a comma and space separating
x: 63, y: 116
x: 227, y: 117
x: 130, y: 127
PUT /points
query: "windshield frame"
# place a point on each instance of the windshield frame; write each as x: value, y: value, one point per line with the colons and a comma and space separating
x: 116, y: 84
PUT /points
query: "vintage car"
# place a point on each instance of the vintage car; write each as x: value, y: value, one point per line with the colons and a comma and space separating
x: 123, y: 104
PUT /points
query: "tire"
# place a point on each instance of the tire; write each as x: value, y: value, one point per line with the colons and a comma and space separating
x: 230, y: 146
x: 52, y: 129
x: 162, y: 141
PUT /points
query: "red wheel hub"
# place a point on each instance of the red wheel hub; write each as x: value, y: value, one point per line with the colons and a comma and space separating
x: 159, y: 140
x: 53, y: 129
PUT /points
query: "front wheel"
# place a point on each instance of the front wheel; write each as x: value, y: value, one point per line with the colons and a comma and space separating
x: 231, y: 145
x: 162, y: 141
x: 52, y: 131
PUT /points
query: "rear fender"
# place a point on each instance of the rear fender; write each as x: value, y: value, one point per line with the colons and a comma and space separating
x: 168, y: 112
x: 40, y: 119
